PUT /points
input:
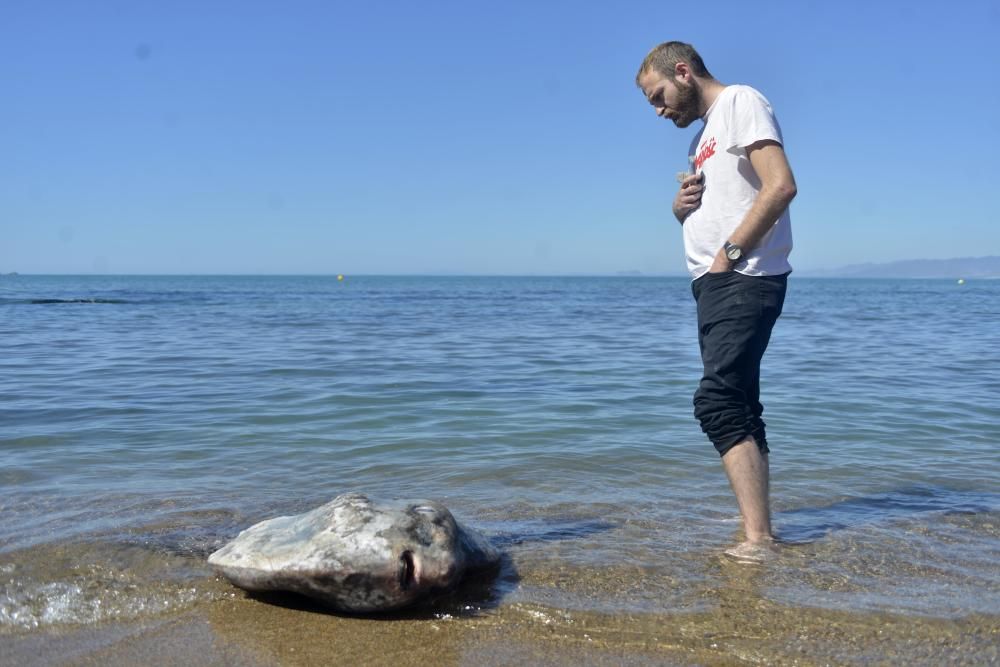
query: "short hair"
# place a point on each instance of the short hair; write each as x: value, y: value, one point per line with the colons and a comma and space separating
x: 664, y: 58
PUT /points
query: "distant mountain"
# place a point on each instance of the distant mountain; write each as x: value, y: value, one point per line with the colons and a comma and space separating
x: 962, y: 267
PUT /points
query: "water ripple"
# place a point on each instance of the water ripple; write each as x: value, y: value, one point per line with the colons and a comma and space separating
x: 184, y: 401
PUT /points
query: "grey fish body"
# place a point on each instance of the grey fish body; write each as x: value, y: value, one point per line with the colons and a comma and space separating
x: 356, y: 555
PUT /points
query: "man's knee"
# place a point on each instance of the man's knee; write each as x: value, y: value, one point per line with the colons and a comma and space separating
x: 726, y: 419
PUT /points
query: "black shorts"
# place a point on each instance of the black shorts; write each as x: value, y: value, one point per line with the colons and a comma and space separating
x: 735, y: 316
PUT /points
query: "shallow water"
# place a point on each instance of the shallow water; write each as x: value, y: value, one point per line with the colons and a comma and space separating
x: 144, y: 421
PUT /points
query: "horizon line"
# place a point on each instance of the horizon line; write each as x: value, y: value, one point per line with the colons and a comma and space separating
x: 819, y: 274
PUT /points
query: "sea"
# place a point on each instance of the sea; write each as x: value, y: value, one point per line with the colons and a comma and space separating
x: 146, y: 420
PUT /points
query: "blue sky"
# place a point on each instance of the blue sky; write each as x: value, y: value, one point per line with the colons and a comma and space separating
x: 472, y: 137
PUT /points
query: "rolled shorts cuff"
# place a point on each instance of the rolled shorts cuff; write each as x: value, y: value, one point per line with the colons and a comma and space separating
x: 723, y: 444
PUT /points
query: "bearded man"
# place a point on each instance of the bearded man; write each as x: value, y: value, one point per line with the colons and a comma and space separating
x: 733, y: 206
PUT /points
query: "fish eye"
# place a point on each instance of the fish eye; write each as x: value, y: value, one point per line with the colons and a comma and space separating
x: 407, y: 571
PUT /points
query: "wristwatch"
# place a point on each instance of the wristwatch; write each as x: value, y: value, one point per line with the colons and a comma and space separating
x: 733, y: 252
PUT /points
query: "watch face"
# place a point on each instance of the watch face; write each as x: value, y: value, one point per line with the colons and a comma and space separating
x: 734, y: 253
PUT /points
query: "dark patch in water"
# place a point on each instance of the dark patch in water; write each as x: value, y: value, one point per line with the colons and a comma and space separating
x: 95, y: 300
x: 513, y: 533
x: 812, y: 523
x: 194, y: 539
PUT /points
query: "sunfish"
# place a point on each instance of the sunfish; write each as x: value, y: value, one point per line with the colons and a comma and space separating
x: 356, y: 555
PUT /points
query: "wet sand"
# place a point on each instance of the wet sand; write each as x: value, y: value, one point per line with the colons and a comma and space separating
x: 737, y: 627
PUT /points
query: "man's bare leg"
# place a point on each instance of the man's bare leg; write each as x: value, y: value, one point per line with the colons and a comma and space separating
x: 748, y: 472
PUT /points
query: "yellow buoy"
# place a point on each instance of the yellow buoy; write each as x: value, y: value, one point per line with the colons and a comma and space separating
x: 961, y: 281
x: 340, y: 277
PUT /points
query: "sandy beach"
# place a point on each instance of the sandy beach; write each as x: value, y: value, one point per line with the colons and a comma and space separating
x: 737, y: 627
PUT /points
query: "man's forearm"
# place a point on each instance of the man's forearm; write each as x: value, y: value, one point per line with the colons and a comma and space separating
x: 771, y: 202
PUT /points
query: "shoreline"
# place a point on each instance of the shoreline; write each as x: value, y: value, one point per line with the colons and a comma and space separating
x: 739, y: 629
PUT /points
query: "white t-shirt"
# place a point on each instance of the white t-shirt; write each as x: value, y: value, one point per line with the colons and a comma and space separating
x: 739, y: 117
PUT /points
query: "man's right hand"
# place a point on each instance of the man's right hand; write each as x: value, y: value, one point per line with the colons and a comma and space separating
x: 688, y: 197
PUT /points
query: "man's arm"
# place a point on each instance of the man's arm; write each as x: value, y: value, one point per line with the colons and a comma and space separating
x: 776, y: 193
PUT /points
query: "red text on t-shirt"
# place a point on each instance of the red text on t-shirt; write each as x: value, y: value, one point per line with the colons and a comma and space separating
x: 706, y: 151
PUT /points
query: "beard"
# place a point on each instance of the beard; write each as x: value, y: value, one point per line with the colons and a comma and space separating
x: 688, y: 106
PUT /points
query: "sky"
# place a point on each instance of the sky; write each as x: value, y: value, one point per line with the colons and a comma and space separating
x: 473, y: 137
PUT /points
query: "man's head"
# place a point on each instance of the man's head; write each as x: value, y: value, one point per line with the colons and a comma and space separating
x: 669, y: 76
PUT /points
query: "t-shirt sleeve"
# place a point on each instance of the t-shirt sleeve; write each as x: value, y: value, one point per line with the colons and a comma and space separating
x: 751, y: 119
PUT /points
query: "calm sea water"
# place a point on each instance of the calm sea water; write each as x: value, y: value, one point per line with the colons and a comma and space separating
x: 146, y: 420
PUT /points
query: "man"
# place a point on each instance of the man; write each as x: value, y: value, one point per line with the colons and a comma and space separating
x: 733, y: 207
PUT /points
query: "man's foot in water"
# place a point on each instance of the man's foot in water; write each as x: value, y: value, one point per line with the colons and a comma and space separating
x: 753, y: 553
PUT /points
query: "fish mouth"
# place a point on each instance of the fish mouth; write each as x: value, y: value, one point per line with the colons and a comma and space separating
x: 407, y: 571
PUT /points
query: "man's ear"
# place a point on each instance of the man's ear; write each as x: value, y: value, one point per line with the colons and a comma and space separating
x: 682, y: 71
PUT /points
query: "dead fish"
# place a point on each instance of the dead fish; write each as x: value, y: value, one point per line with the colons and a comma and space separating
x: 357, y: 555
